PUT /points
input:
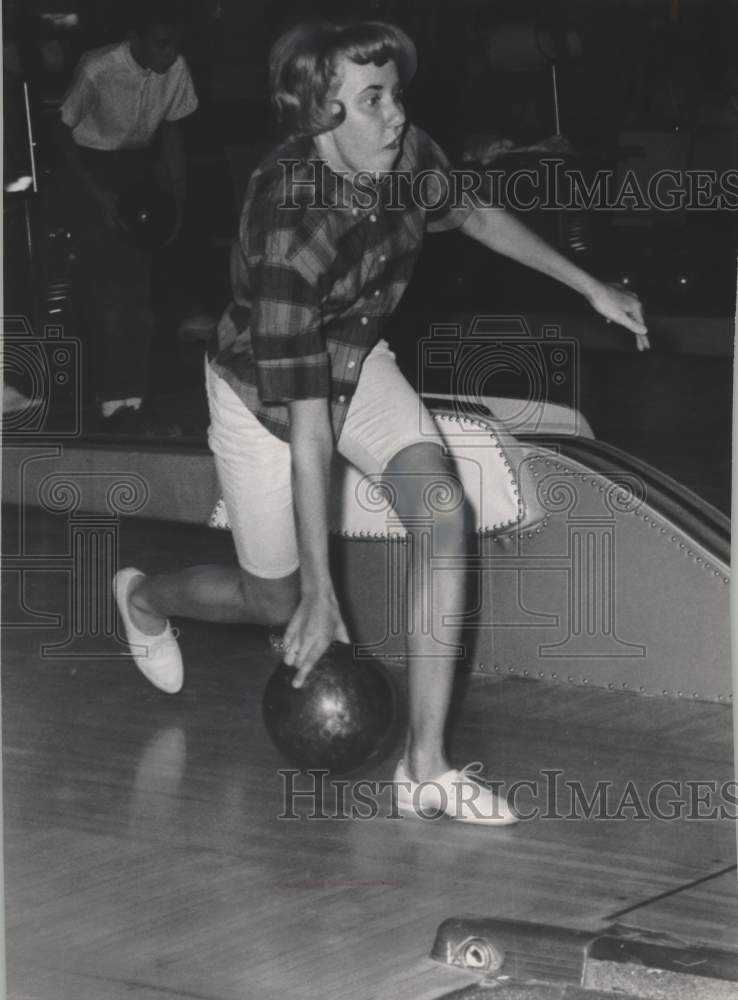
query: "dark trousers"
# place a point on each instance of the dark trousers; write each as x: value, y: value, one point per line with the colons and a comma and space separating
x: 112, y: 283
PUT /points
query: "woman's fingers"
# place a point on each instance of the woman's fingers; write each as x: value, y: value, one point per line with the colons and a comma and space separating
x: 307, y: 658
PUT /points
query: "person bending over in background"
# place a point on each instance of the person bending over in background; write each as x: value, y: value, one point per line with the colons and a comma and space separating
x: 120, y: 128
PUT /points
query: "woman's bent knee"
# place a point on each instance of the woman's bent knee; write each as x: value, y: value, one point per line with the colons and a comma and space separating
x: 427, y: 490
x: 274, y: 600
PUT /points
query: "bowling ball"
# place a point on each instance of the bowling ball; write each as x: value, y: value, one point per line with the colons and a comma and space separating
x: 149, y: 214
x: 338, y: 720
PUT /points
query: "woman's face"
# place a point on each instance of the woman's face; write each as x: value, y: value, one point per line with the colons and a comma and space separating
x: 369, y: 137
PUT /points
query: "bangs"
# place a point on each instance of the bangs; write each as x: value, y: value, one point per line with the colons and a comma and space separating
x: 375, y: 42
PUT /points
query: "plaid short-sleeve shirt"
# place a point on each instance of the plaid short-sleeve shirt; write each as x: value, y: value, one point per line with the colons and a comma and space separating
x: 319, y: 266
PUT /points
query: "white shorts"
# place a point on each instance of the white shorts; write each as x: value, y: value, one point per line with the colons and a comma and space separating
x: 255, y: 470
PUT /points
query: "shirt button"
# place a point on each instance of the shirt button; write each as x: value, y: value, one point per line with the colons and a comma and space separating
x: 341, y: 399
x: 372, y: 217
x: 382, y: 257
x: 354, y: 212
x: 351, y: 364
x: 376, y: 292
x: 364, y: 320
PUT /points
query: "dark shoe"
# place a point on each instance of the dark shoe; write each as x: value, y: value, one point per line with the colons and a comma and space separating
x: 197, y: 329
x: 126, y: 421
x: 159, y: 427
x: 129, y: 422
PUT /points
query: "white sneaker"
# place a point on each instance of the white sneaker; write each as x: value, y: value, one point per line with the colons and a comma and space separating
x: 458, y: 794
x: 156, y: 656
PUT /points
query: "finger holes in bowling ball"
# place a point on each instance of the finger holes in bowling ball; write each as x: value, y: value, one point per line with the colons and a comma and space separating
x: 148, y: 213
x: 339, y: 720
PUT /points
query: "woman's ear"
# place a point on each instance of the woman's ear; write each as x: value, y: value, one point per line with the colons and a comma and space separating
x: 338, y: 110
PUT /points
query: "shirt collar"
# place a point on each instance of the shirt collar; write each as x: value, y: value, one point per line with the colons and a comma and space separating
x: 343, y: 194
x: 131, y: 63
x: 334, y: 191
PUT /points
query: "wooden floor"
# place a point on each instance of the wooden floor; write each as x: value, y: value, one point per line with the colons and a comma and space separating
x: 703, y: 913
x: 145, y: 857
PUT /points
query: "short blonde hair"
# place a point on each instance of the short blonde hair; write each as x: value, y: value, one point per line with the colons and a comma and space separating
x: 303, y: 65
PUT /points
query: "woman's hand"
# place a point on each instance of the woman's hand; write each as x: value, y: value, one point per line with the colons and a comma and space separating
x: 620, y: 306
x: 316, y: 623
x: 504, y: 233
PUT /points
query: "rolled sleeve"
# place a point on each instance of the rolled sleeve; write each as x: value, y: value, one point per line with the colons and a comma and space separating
x: 184, y: 99
x: 80, y: 98
x: 290, y: 355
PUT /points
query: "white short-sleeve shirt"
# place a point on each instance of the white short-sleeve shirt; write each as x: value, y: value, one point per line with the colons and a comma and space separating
x: 114, y: 103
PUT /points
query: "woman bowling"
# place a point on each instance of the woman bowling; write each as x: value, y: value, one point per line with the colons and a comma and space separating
x: 300, y: 370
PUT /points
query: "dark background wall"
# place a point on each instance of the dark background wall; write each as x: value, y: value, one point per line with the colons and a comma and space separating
x: 637, y: 63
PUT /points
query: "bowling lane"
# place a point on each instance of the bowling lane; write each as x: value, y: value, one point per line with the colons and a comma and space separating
x: 144, y: 848
x: 704, y: 912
